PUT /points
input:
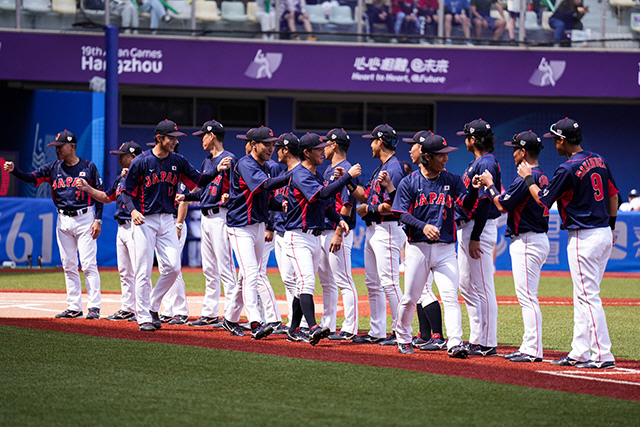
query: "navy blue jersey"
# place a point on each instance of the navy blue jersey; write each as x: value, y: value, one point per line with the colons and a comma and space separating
x: 377, y: 195
x: 477, y: 167
x: 152, y: 182
x: 63, y: 180
x: 343, y: 198
x: 431, y: 201
x: 305, y: 209
x: 248, y: 201
x: 582, y: 186
x: 115, y: 195
x: 524, y: 213
x: 280, y: 217
x: 210, y: 195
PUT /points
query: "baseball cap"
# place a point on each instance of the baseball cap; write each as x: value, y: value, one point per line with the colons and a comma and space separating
x: 419, y: 137
x: 127, y: 148
x: 527, y: 140
x: 288, y: 140
x: 64, y: 137
x: 564, y: 128
x: 167, y: 127
x: 633, y: 193
x: 477, y: 127
x: 210, y: 126
x: 436, y: 144
x: 386, y: 133
x: 339, y: 136
x: 262, y: 133
x: 311, y: 140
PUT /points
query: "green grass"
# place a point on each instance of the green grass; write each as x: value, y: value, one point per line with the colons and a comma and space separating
x: 557, y: 320
x: 51, y: 378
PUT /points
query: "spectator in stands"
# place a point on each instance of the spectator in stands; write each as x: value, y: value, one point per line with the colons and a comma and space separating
x: 455, y: 13
x: 156, y: 9
x: 481, y: 14
x: 513, y: 8
x: 567, y: 17
x: 427, y: 14
x: 412, y: 18
x: 379, y: 11
x: 266, y: 14
x: 296, y: 12
x: 633, y: 201
x: 128, y: 12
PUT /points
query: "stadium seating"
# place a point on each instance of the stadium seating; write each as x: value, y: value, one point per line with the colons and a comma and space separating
x: 64, y: 7
x: 37, y: 6
x: 635, y: 22
x: 545, y: 20
x: 183, y: 7
x: 531, y: 21
x: 341, y: 15
x: 233, y: 11
x: 8, y: 5
x: 251, y: 12
x: 316, y: 14
x: 207, y: 10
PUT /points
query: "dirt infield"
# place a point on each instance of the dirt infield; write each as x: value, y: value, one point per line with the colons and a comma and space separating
x: 623, y: 382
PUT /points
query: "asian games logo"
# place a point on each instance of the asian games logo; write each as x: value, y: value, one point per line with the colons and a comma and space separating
x: 548, y: 73
x: 263, y: 65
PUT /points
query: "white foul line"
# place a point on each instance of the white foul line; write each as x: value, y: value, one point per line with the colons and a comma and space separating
x: 573, y: 374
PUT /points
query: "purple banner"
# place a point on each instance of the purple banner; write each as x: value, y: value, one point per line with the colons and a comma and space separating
x: 308, y: 66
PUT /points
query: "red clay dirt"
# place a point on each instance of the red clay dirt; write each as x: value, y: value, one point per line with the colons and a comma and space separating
x: 623, y: 382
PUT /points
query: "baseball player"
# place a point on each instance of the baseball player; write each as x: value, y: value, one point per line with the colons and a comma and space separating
x: 217, y: 258
x: 79, y: 220
x: 149, y: 195
x: 477, y: 235
x: 248, y: 211
x: 307, y: 207
x: 334, y: 270
x: 124, y: 237
x: 425, y: 202
x: 384, y: 238
x: 527, y: 225
x: 588, y: 201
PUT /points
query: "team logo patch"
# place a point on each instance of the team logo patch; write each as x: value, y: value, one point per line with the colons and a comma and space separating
x: 173, y: 168
x: 446, y: 188
x: 548, y: 73
x: 263, y: 65
x: 83, y: 173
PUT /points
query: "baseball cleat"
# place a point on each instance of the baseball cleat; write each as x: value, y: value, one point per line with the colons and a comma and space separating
x: 260, y: 332
x: 525, y: 358
x: 165, y: 318
x: 204, y: 321
x: 592, y: 364
x: 132, y: 319
x: 434, y: 344
x: 317, y: 333
x: 178, y: 319
x: 418, y: 342
x: 278, y: 328
x: 155, y: 319
x: 69, y: 314
x: 147, y: 327
x: 121, y: 315
x: 405, y: 348
x: 480, y: 350
x: 233, y: 328
x: 565, y: 361
x: 342, y: 336
x: 458, y: 352
x: 516, y: 353
x: 94, y: 313
x: 390, y: 340
x: 367, y: 339
x: 297, y: 336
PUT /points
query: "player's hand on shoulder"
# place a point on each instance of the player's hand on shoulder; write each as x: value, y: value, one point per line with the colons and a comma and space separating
x: 355, y: 170
x: 474, y: 249
x: 338, y: 172
x: 124, y: 172
x: 136, y: 217
x: 486, y: 178
x: 524, y: 169
x: 431, y: 231
x: 8, y: 166
x: 224, y: 164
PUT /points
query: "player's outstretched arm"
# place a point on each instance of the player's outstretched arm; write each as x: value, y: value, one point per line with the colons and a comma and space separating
x: 487, y: 180
x: 22, y: 176
x: 98, y: 195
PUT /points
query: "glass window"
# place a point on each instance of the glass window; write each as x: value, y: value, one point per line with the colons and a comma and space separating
x: 327, y: 115
x: 149, y: 110
x: 240, y: 113
x: 402, y: 117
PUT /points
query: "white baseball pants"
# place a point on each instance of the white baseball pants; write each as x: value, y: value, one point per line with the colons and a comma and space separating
x: 334, y: 273
x: 287, y: 273
x: 159, y: 233
x: 420, y: 259
x: 588, y: 252
x: 381, y: 262
x: 217, y: 262
x: 74, y: 237
x: 175, y: 300
x: 476, y: 284
x: 304, y: 251
x: 265, y: 290
x: 125, y: 254
x: 528, y: 253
